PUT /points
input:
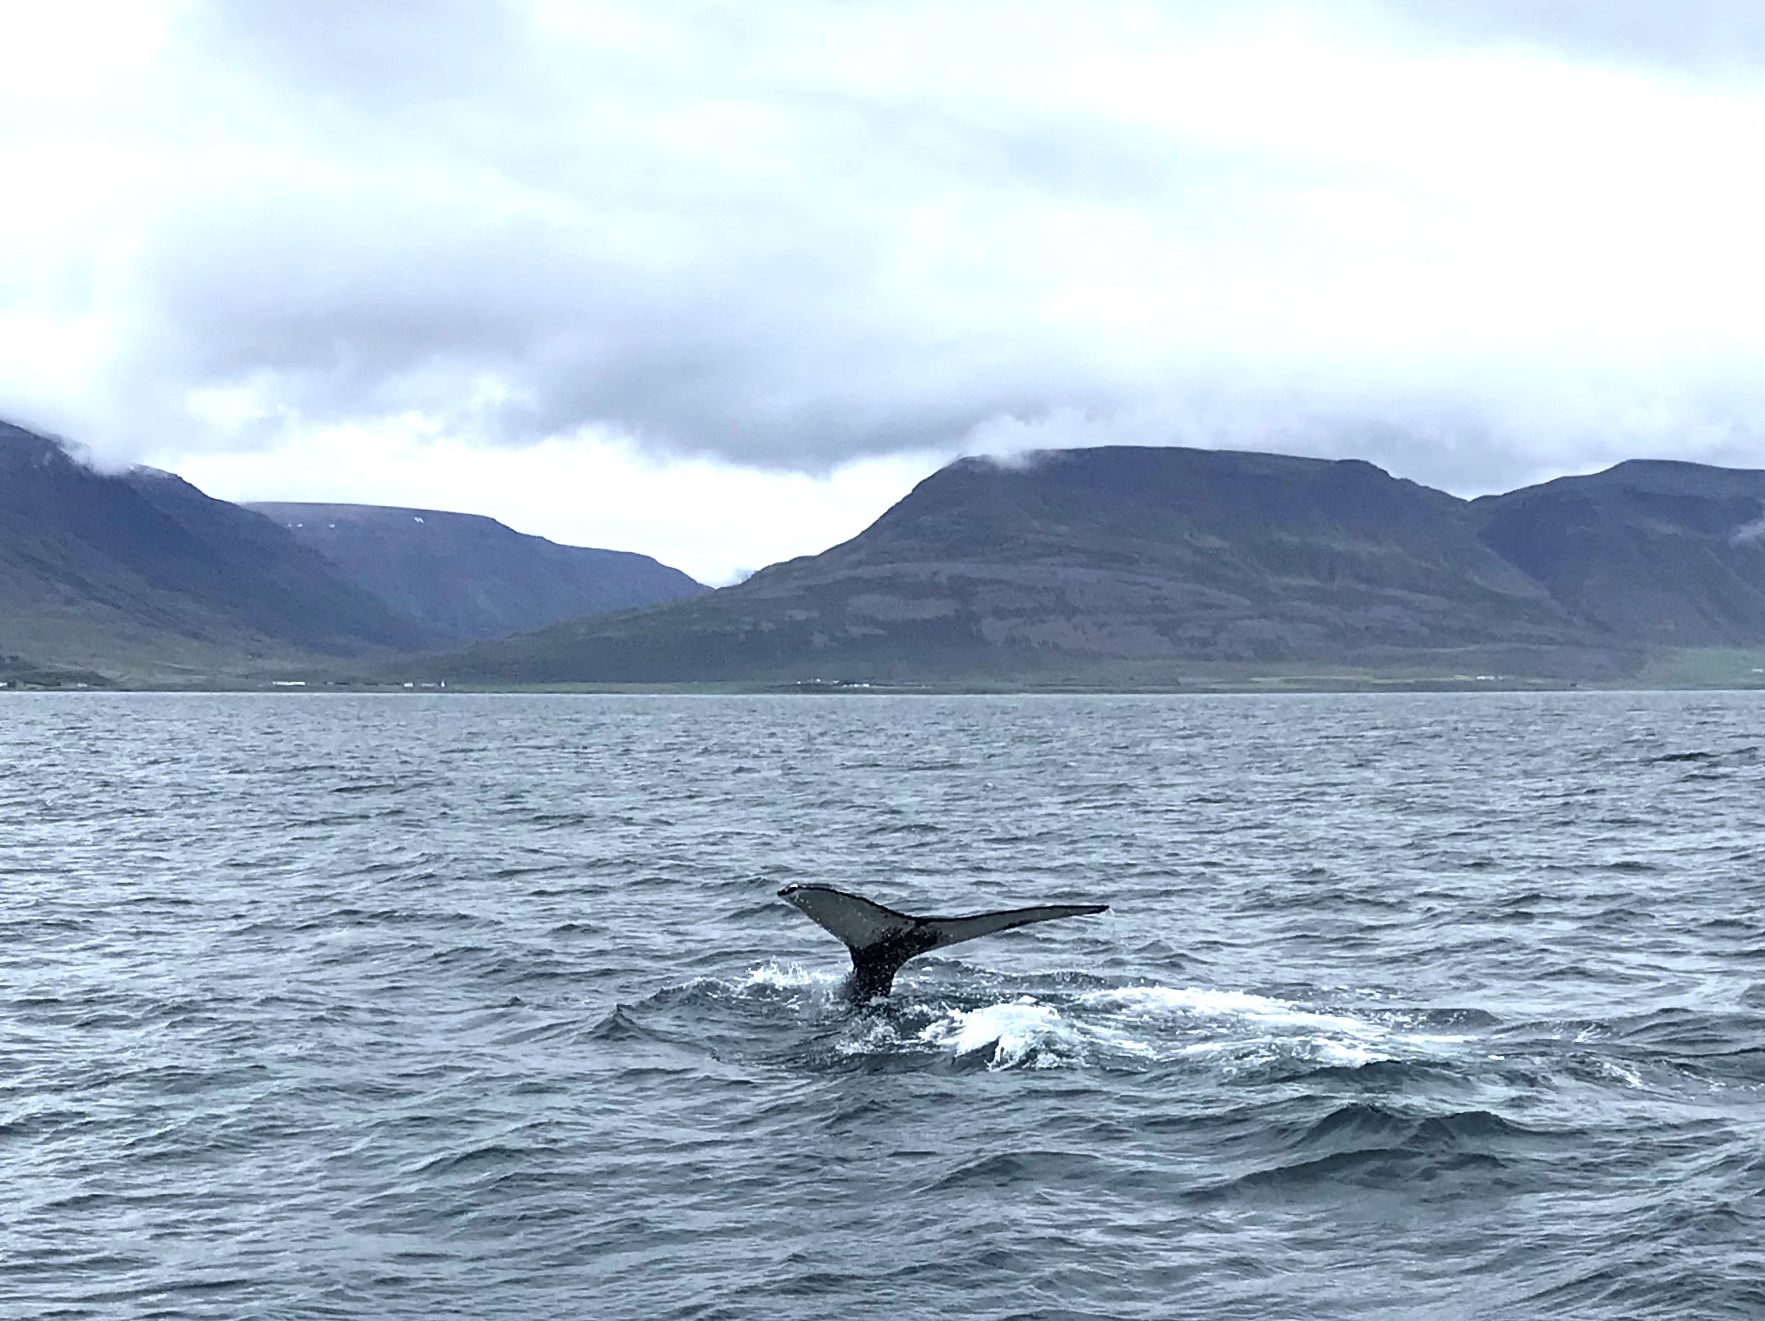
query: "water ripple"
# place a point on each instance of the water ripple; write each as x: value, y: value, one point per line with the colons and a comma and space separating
x: 1431, y: 1006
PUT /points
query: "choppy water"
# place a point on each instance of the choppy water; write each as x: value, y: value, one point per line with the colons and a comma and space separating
x: 1430, y: 1006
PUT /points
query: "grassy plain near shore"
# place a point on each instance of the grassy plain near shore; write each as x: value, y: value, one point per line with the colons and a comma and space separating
x: 1699, y: 667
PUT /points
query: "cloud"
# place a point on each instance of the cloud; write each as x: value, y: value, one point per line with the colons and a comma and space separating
x: 1689, y: 35
x: 1458, y: 240
x: 698, y: 515
x: 1748, y: 533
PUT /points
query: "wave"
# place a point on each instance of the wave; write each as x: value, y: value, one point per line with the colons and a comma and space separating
x: 1363, y: 1122
x: 1744, y: 751
x: 618, y: 1025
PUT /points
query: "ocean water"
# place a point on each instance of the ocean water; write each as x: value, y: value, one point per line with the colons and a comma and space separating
x: 420, y: 1006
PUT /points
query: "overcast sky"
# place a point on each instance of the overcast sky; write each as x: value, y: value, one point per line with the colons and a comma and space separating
x: 718, y: 282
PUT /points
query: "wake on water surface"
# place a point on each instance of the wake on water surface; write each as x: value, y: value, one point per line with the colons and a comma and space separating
x: 955, y: 1017
x: 1082, y: 1021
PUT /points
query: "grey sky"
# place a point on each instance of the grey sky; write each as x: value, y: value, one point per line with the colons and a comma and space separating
x: 594, y: 268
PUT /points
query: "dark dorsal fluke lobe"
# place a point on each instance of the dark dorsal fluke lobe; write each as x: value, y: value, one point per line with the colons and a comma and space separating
x: 881, y: 939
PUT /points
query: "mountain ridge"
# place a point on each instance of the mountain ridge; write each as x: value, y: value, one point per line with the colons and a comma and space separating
x: 469, y: 576
x: 1658, y: 551
x: 1082, y: 560
x: 1118, y: 564
x: 138, y: 573
x: 141, y: 572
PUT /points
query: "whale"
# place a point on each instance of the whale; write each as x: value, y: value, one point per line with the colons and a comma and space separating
x: 880, y: 939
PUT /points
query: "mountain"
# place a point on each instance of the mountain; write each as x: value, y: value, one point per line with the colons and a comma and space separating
x: 467, y: 577
x: 1121, y: 565
x: 143, y: 573
x: 1649, y: 551
x: 1120, y: 560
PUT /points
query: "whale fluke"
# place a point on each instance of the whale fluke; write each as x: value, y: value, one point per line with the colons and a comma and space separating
x: 881, y: 940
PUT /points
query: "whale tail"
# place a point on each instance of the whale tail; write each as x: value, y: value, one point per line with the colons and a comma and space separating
x: 881, y: 940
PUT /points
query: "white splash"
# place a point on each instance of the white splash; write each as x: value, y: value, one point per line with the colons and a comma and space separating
x: 785, y: 977
x: 1347, y: 1054
x: 1239, y: 1026
x: 1322, y: 1050
x: 1130, y: 1026
x: 1611, y: 1070
x: 1026, y: 1031
x: 1013, y: 1031
x: 1196, y: 1002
